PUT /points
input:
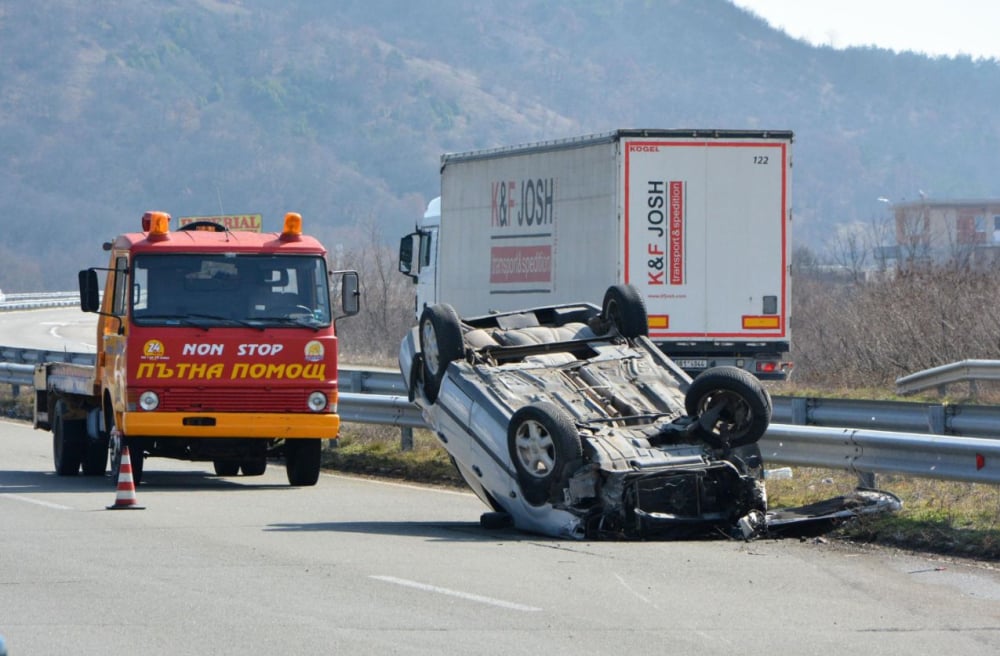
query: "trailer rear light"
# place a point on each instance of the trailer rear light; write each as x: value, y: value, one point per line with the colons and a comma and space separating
x: 149, y: 401
x: 317, y: 402
x: 761, y: 322
x: 292, y: 230
x: 767, y: 367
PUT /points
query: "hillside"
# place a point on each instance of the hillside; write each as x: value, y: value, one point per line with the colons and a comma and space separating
x: 341, y: 110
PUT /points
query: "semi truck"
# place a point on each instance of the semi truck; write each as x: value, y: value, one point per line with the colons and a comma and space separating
x: 213, y: 345
x: 699, y: 221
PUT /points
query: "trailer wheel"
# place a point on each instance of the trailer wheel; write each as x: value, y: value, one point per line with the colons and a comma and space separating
x: 255, y: 467
x: 302, y: 460
x: 624, y: 308
x: 441, y: 344
x: 136, y: 456
x: 69, y: 441
x: 226, y: 467
x: 731, y: 407
x: 544, y: 447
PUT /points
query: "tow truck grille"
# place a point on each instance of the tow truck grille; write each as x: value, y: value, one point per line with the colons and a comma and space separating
x: 229, y: 400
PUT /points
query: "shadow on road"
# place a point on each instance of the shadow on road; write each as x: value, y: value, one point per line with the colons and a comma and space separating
x: 28, y: 482
x: 435, y: 531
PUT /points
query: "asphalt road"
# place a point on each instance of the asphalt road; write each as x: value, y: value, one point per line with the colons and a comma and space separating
x: 54, y: 329
x: 249, y: 565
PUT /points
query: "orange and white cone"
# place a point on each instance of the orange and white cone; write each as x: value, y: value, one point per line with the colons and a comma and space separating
x: 125, y: 498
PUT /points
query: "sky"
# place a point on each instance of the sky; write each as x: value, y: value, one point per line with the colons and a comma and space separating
x: 932, y: 27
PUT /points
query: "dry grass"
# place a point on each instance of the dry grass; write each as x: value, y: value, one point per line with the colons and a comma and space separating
x: 943, y: 517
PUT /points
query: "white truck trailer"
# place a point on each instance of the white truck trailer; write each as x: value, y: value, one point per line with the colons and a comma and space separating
x: 697, y: 220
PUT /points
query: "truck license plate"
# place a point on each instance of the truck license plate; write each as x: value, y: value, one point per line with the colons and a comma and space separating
x: 691, y: 364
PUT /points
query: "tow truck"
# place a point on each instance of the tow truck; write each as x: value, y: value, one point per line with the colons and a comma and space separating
x: 213, y: 345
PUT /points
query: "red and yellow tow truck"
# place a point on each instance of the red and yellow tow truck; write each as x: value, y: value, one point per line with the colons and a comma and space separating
x: 212, y: 345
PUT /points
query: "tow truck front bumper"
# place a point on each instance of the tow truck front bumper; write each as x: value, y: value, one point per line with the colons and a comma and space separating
x: 231, y: 424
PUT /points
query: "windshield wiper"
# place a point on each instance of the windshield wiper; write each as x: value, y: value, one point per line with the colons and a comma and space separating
x: 304, y: 323
x: 242, y: 322
x: 170, y: 318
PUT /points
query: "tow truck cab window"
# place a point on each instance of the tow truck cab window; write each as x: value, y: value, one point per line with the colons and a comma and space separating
x: 120, y: 301
x: 228, y: 288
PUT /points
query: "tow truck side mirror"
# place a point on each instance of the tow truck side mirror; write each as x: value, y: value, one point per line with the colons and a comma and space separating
x: 350, y: 293
x: 90, y: 297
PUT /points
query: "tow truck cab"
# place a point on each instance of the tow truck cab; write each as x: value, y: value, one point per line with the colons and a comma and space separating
x: 214, y: 345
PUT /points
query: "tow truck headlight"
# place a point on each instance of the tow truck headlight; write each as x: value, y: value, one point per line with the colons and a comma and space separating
x: 317, y: 402
x: 149, y: 401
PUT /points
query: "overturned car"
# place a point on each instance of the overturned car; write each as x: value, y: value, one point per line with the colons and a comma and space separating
x: 567, y: 420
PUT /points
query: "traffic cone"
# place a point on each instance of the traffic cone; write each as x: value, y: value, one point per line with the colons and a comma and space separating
x: 125, y: 497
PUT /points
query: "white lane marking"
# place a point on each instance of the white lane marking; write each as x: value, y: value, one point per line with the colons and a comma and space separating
x: 510, y: 605
x: 633, y: 592
x: 47, y: 504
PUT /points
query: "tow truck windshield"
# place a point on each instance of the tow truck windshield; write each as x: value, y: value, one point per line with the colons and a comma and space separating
x: 227, y: 289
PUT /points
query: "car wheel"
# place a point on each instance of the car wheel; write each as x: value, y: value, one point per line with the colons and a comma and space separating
x: 624, y: 308
x: 68, y: 441
x: 226, y: 467
x: 302, y: 460
x: 730, y: 405
x: 440, y: 343
x: 545, y: 448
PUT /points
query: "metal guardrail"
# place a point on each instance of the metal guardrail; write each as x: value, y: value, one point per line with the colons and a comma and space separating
x: 956, y: 372
x: 35, y: 301
x: 950, y: 458
x: 951, y: 442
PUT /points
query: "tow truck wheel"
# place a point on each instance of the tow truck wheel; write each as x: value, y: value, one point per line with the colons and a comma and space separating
x: 730, y: 405
x: 624, y: 308
x: 302, y: 460
x: 69, y: 441
x: 95, y: 459
x: 254, y: 467
x: 135, y: 456
x: 441, y: 344
x: 544, y: 446
x: 226, y: 467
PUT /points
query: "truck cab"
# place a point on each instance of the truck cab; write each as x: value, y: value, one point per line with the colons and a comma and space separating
x: 212, y: 345
x: 418, y: 256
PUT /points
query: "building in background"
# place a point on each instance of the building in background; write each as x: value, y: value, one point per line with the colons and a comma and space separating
x: 959, y: 232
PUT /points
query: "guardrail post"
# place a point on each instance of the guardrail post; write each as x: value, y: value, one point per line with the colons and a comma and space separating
x: 15, y: 390
x: 800, y: 411
x: 406, y: 438
x: 936, y: 419
x: 357, y: 382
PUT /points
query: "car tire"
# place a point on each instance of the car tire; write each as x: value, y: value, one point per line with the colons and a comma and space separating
x: 730, y: 405
x: 545, y: 448
x: 440, y: 343
x: 69, y: 441
x: 624, y: 308
x: 302, y: 461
